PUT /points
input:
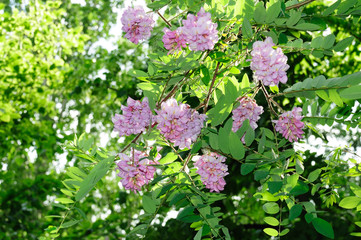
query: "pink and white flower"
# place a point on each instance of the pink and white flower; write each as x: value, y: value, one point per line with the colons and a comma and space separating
x: 269, y: 64
x: 174, y: 40
x: 136, y: 170
x: 135, y: 118
x: 212, y: 169
x: 178, y: 123
x: 137, y: 25
x: 200, y: 32
x: 289, y: 124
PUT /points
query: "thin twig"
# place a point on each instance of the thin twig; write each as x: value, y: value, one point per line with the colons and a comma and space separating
x: 298, y: 5
x: 165, y: 20
x: 210, y: 88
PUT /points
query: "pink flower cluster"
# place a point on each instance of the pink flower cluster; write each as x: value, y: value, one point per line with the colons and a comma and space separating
x: 135, y: 118
x: 136, y: 170
x: 289, y: 124
x: 179, y: 123
x: 137, y: 25
x: 198, y: 31
x: 269, y: 64
x: 248, y: 109
x: 174, y: 40
x: 212, y: 170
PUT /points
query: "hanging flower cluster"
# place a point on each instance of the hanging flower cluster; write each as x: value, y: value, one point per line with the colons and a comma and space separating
x: 178, y: 123
x: 137, y: 25
x: 199, y: 32
x: 136, y: 170
x: 174, y: 40
x: 248, y: 109
x: 135, y: 118
x: 289, y: 124
x: 212, y: 169
x: 269, y: 64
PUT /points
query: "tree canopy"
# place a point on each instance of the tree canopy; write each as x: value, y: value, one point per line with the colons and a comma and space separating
x: 60, y: 89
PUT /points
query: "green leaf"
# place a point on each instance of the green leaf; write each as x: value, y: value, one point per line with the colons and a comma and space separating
x: 350, y: 202
x: 245, y: 81
x: 247, y: 29
x: 299, y: 189
x: 271, y: 208
x: 271, y: 231
x: 260, y: 174
x: 343, y: 44
x: 205, y: 76
x: 273, y: 11
x: 235, y: 146
x: 247, y: 168
x: 331, y: 9
x: 64, y: 200
x: 323, y: 227
x: 335, y: 97
x: 223, y: 140
x: 307, y: 27
x: 169, y: 158
x: 314, y: 175
x: 249, y: 136
x: 295, y: 211
x: 284, y: 232
x: 198, y: 236
x: 260, y: 13
x: 275, y: 186
x: 328, y: 41
x: 97, y: 173
x: 69, y: 223
x: 137, y: 73
x: 351, y: 93
x: 149, y: 205
x: 67, y: 192
x: 295, y: 16
x: 271, y: 221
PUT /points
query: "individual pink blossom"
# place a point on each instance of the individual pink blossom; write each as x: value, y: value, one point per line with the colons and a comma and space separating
x: 135, y: 118
x: 248, y: 109
x: 269, y: 64
x: 137, y: 25
x: 174, y: 40
x: 289, y: 124
x: 200, y: 32
x: 178, y: 123
x: 212, y: 170
x: 135, y: 170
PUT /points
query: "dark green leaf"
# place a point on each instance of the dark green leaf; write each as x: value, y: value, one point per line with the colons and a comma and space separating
x: 295, y: 211
x: 323, y: 227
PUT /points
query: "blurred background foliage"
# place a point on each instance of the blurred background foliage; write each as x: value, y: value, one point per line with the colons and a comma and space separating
x: 57, y: 80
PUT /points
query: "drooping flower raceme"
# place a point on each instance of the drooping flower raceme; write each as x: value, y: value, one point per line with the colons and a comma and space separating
x: 289, y: 124
x: 248, y: 109
x: 135, y: 170
x: 212, y: 169
x: 174, y: 40
x: 269, y: 64
x: 135, y: 118
x: 200, y: 32
x: 137, y: 25
x: 178, y: 123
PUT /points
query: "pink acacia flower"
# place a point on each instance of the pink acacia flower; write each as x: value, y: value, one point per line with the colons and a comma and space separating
x: 289, y: 124
x: 248, y: 109
x: 269, y: 64
x: 200, y: 32
x: 137, y: 25
x: 135, y: 118
x: 212, y: 169
x: 174, y: 40
x: 178, y: 123
x: 136, y: 170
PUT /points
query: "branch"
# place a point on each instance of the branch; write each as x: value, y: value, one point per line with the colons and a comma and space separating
x: 298, y: 5
x: 210, y: 88
x: 165, y: 20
